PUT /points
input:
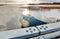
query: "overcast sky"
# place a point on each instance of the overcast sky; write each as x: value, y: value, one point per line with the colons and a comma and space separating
x: 29, y: 1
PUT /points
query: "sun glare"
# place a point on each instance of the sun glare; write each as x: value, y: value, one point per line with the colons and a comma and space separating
x: 25, y: 12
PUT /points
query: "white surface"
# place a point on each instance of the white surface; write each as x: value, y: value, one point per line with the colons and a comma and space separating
x: 47, y: 36
x: 51, y: 35
x: 17, y: 33
x: 50, y: 26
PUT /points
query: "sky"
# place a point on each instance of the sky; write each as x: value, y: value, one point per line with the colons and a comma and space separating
x: 30, y: 1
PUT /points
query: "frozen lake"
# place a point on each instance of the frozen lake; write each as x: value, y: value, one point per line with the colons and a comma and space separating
x: 10, y: 16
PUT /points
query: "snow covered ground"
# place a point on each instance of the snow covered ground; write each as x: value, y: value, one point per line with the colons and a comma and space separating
x: 11, y: 17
